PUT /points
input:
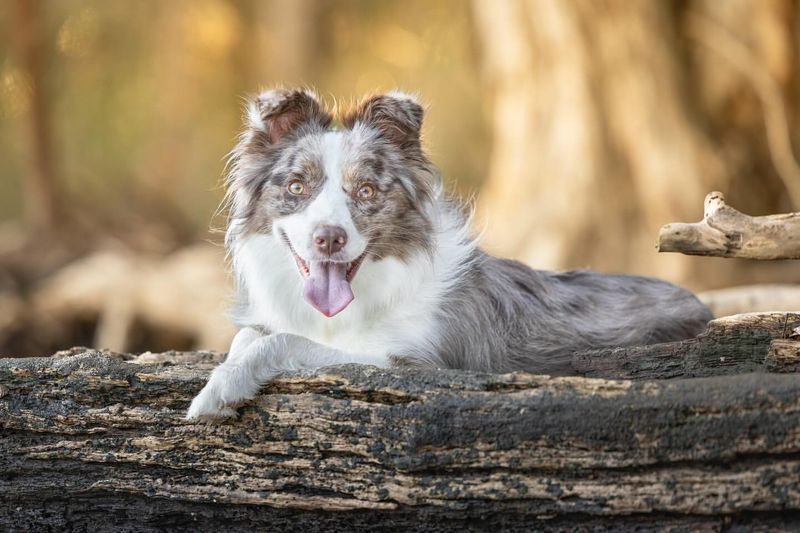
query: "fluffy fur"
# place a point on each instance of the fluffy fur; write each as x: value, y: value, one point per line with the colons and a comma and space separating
x: 425, y: 294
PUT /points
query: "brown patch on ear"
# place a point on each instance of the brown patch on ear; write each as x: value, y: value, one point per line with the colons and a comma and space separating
x: 281, y: 112
x: 398, y: 118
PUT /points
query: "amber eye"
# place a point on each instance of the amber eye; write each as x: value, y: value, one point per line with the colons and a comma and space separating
x: 296, y: 187
x: 366, y: 191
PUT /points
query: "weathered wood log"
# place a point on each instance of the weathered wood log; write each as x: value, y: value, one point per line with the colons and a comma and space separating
x: 730, y: 345
x: 783, y: 356
x: 725, y: 232
x: 93, y: 440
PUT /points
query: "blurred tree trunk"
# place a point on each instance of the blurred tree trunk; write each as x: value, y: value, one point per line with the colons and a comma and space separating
x: 611, y: 118
x: 287, y: 48
x: 42, y: 196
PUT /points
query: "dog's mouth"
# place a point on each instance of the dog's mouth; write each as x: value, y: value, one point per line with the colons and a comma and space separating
x: 327, y: 283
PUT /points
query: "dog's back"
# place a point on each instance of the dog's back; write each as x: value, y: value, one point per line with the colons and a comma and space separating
x: 504, y: 316
x: 406, y: 280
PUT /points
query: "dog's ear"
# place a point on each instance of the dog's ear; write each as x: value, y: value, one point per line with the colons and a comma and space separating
x: 397, y: 117
x: 280, y: 112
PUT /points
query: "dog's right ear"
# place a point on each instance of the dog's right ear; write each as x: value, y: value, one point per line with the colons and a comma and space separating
x: 281, y: 112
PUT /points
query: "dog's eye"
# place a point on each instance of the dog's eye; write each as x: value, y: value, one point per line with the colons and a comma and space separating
x: 296, y: 187
x: 366, y: 191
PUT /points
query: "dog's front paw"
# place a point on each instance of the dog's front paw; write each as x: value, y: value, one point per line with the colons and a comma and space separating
x: 209, y: 406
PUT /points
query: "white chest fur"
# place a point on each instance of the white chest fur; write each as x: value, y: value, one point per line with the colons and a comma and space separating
x: 395, y: 305
x: 393, y: 309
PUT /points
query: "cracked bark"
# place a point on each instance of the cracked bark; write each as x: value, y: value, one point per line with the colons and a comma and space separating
x: 96, y: 440
x: 730, y: 345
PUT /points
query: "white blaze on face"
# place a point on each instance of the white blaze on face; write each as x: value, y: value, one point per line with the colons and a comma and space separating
x: 328, y: 208
x: 327, y: 286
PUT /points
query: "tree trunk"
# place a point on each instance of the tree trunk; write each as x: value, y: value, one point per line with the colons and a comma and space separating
x: 97, y: 441
x: 42, y: 192
x: 610, y: 117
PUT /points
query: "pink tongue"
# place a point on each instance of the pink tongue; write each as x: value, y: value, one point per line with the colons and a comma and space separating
x: 327, y: 288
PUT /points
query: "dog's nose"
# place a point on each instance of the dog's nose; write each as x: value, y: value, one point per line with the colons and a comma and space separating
x: 329, y: 239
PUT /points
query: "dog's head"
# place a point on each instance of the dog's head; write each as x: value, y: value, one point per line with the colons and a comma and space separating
x: 334, y: 197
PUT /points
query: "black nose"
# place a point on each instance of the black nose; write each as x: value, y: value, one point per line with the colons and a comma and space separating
x: 329, y: 239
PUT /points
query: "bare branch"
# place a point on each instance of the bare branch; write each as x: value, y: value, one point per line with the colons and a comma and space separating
x: 725, y: 232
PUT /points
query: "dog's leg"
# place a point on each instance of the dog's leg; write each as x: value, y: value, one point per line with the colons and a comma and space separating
x: 255, y: 359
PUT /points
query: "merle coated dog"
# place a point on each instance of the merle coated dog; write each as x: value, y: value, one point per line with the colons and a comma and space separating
x: 345, y: 250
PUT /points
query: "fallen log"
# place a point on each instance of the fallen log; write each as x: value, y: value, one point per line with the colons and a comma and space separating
x: 725, y: 232
x: 783, y: 356
x: 730, y: 345
x: 96, y: 441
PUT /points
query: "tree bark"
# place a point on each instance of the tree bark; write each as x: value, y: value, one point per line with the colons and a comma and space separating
x: 731, y: 345
x: 783, y: 356
x: 97, y: 440
x: 725, y: 232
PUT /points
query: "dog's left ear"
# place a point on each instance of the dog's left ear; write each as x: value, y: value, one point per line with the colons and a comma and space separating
x: 397, y: 116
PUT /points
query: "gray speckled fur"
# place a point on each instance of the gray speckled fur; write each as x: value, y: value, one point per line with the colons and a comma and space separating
x: 504, y: 316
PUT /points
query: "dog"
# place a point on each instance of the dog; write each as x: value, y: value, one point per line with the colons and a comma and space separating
x: 345, y: 250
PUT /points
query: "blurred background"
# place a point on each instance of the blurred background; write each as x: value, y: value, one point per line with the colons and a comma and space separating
x: 578, y: 126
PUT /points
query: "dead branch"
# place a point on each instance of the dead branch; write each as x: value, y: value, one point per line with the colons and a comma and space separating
x: 725, y: 232
x: 123, y: 288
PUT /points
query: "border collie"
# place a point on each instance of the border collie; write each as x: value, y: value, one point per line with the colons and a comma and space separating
x: 345, y: 250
